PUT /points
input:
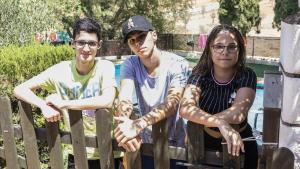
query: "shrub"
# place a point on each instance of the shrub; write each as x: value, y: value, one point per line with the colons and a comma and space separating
x: 19, y: 63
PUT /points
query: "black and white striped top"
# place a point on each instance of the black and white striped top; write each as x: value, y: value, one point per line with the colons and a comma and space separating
x: 216, y: 97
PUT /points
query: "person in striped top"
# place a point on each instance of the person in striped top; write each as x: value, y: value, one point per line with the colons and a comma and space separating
x: 220, y: 92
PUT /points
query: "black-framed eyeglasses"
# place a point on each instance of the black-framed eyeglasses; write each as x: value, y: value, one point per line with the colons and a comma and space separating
x: 82, y: 43
x: 232, y: 48
x: 140, y: 38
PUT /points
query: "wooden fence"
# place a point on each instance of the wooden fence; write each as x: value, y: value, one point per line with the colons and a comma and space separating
x: 195, y: 154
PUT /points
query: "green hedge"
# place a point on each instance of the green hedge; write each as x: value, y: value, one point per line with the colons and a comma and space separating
x: 19, y: 63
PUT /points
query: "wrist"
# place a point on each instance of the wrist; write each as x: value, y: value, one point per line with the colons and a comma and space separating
x: 140, y: 124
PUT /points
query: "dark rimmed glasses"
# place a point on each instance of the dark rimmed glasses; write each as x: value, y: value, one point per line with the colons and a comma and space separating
x: 232, y: 48
x: 82, y: 43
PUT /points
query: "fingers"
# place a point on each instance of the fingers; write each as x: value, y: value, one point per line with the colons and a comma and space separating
x: 53, y: 118
x: 132, y: 145
x: 235, y: 144
x: 120, y: 118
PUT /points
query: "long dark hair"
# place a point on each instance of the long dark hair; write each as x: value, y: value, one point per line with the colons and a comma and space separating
x: 205, y: 63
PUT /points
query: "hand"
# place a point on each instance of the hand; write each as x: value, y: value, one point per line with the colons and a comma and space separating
x: 233, y: 139
x: 127, y: 129
x: 133, y: 145
x: 51, y: 113
x: 56, y: 101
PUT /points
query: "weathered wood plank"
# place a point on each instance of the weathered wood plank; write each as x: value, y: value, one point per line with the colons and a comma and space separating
x: 133, y: 160
x: 29, y: 137
x: 78, y: 141
x: 54, y: 143
x: 11, y: 155
x: 103, y: 130
x: 195, y: 145
x: 160, y: 145
x: 21, y: 160
x: 283, y: 158
x: 272, y: 82
x: 272, y: 110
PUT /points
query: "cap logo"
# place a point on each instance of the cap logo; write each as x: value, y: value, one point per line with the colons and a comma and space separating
x: 130, y: 23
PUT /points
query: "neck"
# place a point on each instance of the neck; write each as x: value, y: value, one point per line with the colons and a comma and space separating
x: 153, y: 61
x: 223, y: 75
x: 84, y: 69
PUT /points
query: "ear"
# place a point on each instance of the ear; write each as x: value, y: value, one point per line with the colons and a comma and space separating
x: 99, y: 44
x: 73, y: 43
x: 154, y: 35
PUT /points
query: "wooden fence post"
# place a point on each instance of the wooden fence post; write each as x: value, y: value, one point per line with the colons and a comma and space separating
x: 272, y: 110
x: 78, y: 141
x: 160, y: 145
x: 104, y: 139
x: 195, y: 147
x: 29, y: 136
x: 8, y: 134
x: 54, y: 143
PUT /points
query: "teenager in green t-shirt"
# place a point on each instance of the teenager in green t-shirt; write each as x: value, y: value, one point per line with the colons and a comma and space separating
x: 84, y: 83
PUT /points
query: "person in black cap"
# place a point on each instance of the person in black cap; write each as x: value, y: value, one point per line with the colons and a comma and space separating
x: 158, y: 79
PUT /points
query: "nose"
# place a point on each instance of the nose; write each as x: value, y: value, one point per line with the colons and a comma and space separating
x: 86, y: 47
x: 225, y: 50
x: 138, y: 43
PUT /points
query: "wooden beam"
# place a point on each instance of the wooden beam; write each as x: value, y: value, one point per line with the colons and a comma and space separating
x: 8, y: 134
x: 29, y: 136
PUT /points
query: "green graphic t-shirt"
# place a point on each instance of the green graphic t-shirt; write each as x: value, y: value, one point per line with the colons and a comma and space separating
x: 64, y: 79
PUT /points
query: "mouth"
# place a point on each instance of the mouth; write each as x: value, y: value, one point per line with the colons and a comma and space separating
x: 142, y: 49
x: 85, y: 56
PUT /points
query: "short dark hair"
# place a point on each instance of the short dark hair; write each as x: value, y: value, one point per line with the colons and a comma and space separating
x: 205, y: 63
x: 88, y: 25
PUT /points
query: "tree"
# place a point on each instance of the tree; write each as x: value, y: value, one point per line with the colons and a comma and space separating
x: 20, y: 20
x: 282, y: 9
x: 243, y: 14
x: 112, y: 13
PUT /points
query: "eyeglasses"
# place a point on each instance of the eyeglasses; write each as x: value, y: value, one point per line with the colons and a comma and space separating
x: 220, y: 48
x: 140, y: 38
x: 82, y: 43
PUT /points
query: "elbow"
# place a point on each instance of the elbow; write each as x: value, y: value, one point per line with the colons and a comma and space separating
x: 183, y: 112
x: 239, y: 118
x: 109, y: 104
x: 17, y: 91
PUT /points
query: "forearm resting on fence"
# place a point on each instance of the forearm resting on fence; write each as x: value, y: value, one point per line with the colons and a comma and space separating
x: 164, y: 110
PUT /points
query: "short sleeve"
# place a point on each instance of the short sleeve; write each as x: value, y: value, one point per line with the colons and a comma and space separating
x: 45, y: 79
x: 195, y: 80
x: 109, y: 79
x: 180, y: 73
x: 127, y: 70
x: 247, y: 79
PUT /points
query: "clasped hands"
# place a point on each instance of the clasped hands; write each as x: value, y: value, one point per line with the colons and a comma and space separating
x: 126, y: 133
x: 52, y: 109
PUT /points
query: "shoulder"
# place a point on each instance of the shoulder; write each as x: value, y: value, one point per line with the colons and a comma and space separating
x: 247, y: 73
x: 60, y: 67
x: 103, y: 62
x: 246, y: 78
x: 173, y: 58
x: 198, y: 79
x: 131, y: 62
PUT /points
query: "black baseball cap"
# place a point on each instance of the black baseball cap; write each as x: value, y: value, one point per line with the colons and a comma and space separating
x: 136, y: 23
